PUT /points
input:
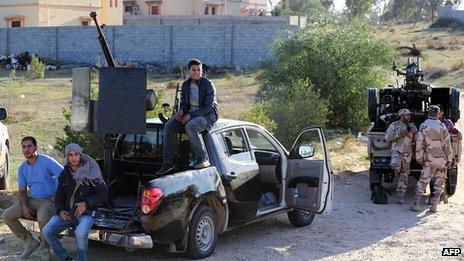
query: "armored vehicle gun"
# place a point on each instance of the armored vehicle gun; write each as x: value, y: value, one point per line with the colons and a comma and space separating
x: 416, y: 95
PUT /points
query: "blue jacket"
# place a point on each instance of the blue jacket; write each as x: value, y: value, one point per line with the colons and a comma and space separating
x: 207, y: 100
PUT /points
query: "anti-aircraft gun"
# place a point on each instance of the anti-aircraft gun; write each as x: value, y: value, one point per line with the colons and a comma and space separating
x: 416, y: 95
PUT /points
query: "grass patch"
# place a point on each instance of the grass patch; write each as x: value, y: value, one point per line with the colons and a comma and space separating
x: 36, y: 106
x: 347, y: 152
x: 434, y: 73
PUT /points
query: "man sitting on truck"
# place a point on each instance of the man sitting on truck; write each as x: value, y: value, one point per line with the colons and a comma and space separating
x: 81, y: 189
x: 37, y: 182
x: 401, y: 135
x: 198, y: 111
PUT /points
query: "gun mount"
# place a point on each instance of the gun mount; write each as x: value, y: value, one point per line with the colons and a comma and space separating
x: 416, y: 95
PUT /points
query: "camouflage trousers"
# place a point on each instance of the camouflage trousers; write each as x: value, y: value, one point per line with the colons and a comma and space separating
x: 429, y: 172
x: 401, y: 164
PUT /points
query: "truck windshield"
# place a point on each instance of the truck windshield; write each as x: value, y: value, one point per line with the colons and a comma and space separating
x: 148, y: 147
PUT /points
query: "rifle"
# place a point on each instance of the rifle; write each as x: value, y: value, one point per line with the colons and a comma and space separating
x: 103, y: 42
x: 176, y: 100
x: 161, y: 116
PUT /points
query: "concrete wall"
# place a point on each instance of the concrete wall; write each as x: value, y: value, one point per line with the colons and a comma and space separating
x: 451, y: 12
x: 167, y: 45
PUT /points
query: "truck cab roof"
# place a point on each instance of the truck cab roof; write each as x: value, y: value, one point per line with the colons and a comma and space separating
x: 220, y: 124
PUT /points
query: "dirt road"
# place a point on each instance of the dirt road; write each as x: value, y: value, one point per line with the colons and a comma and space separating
x: 357, y: 229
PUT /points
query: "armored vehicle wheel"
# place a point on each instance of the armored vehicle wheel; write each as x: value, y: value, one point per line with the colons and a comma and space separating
x: 451, y: 181
x: 454, y: 104
x: 202, y: 234
x: 300, y: 218
x: 375, y: 178
x: 5, y: 173
x: 372, y: 104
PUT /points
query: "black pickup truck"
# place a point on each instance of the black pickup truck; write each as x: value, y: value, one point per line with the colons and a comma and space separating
x: 252, y: 177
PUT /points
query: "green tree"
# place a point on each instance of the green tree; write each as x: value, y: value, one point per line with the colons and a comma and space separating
x: 358, y: 8
x: 302, y: 7
x: 327, y: 3
x: 400, y: 10
x: 339, y: 62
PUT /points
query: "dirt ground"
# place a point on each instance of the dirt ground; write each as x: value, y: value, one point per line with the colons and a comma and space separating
x: 357, y: 229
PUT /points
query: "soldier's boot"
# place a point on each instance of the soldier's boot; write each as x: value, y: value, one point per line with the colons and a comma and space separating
x: 31, y: 245
x: 433, y: 207
x: 400, y: 199
x: 444, y: 198
x: 416, y: 205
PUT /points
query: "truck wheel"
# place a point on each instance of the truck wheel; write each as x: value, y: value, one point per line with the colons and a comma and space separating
x: 5, y: 171
x: 455, y: 114
x: 202, y: 234
x: 300, y: 218
x: 372, y: 104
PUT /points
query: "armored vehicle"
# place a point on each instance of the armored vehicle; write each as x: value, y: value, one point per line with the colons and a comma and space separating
x: 416, y: 95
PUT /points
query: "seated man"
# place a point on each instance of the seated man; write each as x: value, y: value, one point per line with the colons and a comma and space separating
x: 198, y: 112
x: 81, y: 189
x: 37, y: 182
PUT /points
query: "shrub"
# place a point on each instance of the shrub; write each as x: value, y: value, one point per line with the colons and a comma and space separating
x: 91, y: 143
x: 37, y: 68
x: 257, y: 114
x: 295, y: 107
x: 339, y: 61
x: 159, y: 101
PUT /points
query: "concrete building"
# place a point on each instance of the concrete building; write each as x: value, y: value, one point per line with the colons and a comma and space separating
x: 39, y: 13
x: 195, y: 7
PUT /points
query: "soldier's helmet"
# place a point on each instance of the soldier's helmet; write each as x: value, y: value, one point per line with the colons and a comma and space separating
x: 404, y: 112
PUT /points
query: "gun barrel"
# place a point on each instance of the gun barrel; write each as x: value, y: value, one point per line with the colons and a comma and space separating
x: 103, y: 42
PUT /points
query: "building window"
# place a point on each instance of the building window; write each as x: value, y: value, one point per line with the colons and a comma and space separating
x: 212, y: 10
x: 128, y: 9
x: 154, y: 9
x: 16, y: 23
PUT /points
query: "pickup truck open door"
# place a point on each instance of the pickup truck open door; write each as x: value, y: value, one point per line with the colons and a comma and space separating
x: 309, y: 182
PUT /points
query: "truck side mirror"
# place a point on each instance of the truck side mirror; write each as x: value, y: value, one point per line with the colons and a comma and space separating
x: 150, y: 101
x: 3, y: 114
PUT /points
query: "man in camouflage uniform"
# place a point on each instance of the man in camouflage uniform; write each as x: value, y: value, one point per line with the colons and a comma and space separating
x: 434, y: 153
x: 401, y: 136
